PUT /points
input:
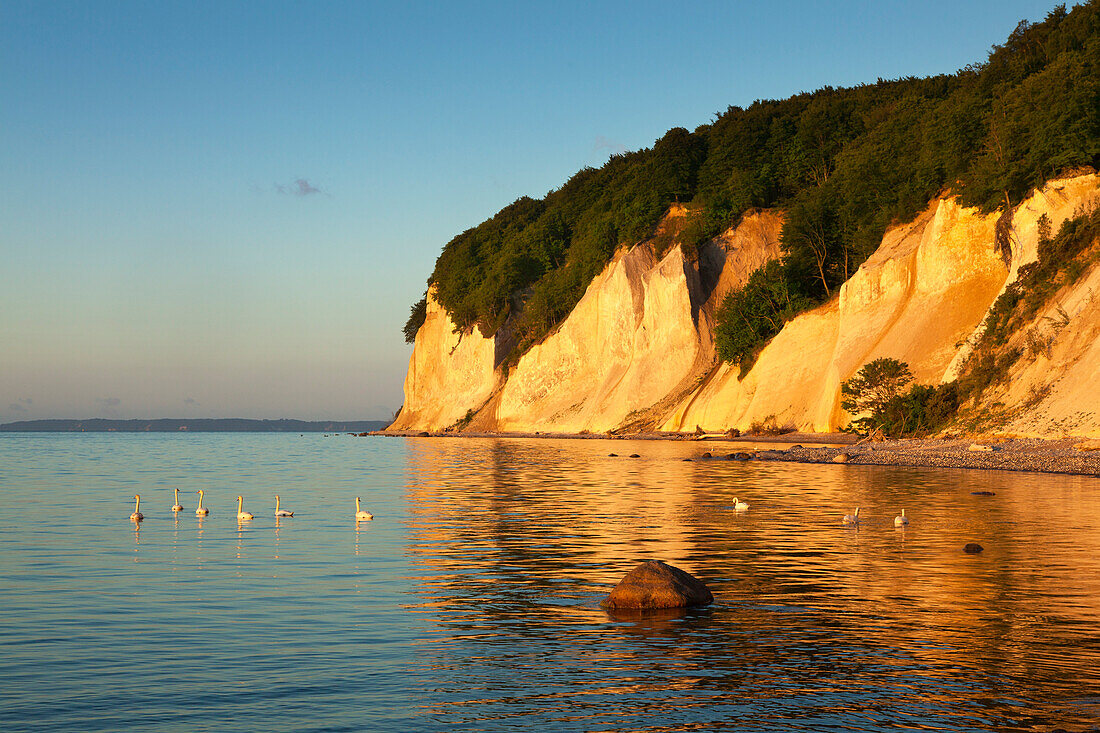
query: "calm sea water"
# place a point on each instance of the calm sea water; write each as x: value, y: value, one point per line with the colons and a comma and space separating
x: 471, y: 602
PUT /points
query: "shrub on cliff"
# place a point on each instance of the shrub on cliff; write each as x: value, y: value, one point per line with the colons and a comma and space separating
x: 1062, y: 259
x: 876, y: 392
x: 872, y: 387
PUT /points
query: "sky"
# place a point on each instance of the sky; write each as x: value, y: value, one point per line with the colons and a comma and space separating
x: 226, y: 209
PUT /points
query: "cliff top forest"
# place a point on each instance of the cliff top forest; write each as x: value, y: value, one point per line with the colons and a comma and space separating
x: 842, y: 163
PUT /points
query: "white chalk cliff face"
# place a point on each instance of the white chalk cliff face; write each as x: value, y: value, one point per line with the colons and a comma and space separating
x: 1054, y: 390
x: 637, y: 352
x: 449, y: 373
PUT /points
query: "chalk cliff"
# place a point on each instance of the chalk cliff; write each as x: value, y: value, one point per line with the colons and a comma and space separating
x: 449, y: 373
x: 638, y: 351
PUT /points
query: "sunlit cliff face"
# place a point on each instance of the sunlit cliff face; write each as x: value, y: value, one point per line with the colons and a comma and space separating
x: 637, y: 351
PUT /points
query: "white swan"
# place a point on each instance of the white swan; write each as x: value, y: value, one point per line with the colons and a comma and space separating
x: 242, y: 515
x: 361, y: 513
x: 739, y: 506
x: 177, y: 507
x: 852, y: 518
x: 901, y: 520
x: 137, y: 516
x: 281, y: 512
x: 201, y: 511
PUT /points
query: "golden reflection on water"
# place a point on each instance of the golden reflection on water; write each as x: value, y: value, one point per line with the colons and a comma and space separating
x: 514, y: 543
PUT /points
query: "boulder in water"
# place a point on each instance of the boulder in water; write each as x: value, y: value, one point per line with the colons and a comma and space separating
x: 654, y: 584
x: 972, y: 548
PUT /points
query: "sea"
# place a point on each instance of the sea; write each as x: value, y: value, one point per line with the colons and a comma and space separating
x: 471, y: 601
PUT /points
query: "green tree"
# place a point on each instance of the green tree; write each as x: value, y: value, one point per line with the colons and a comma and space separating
x: 754, y: 313
x: 417, y: 315
x: 872, y: 389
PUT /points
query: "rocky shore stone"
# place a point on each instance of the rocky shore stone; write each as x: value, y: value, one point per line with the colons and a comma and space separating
x: 655, y: 584
x: 981, y: 448
x: 841, y: 458
x: 1088, y: 445
x: 972, y: 548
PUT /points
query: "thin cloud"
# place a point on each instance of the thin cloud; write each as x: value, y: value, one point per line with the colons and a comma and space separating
x: 603, y: 143
x: 301, y: 187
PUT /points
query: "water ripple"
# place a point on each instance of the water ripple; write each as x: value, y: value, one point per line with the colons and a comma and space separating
x: 471, y: 602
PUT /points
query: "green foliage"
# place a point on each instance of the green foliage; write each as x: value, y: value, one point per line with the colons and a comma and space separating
x: 417, y: 315
x: 844, y: 164
x: 923, y: 410
x: 876, y: 390
x: 463, y: 422
x: 874, y: 386
x: 750, y: 315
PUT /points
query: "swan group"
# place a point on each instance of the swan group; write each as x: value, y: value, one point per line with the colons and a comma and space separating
x: 243, y: 516
x: 853, y: 519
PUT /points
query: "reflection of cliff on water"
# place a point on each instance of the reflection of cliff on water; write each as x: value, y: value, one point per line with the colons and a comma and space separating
x: 514, y: 542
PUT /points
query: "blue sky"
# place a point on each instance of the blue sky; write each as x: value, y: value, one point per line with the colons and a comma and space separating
x: 226, y: 209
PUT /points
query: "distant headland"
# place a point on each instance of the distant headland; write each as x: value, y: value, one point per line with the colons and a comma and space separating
x: 205, y: 425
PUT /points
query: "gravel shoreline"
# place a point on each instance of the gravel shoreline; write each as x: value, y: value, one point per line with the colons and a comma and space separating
x: 999, y: 454
x: 1027, y: 454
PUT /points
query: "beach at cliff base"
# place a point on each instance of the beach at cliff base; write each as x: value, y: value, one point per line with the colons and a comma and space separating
x: 1073, y: 455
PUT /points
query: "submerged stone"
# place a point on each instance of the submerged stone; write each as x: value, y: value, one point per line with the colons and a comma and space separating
x: 972, y: 548
x: 983, y: 493
x: 655, y: 584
